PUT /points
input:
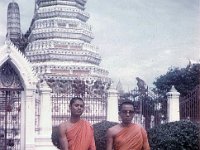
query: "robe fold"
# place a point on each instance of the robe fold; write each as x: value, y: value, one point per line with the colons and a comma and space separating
x: 81, y: 136
x: 133, y: 137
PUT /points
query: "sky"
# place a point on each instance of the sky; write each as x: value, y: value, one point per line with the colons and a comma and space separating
x: 136, y: 38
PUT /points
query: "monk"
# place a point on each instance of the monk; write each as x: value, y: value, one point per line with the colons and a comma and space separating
x: 76, y: 134
x: 127, y: 135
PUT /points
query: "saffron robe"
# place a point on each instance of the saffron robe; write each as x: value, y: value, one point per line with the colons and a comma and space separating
x: 133, y: 137
x: 81, y: 136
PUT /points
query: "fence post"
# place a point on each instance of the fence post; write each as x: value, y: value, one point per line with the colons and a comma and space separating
x: 29, y: 124
x: 43, y: 140
x: 173, y: 105
x: 112, y: 105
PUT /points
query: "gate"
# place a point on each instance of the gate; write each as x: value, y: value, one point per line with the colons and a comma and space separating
x: 190, y: 105
x: 10, y: 108
x: 150, y: 108
x: 94, y: 94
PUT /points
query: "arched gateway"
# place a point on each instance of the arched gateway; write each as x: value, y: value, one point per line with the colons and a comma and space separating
x: 10, y: 107
x: 17, y: 88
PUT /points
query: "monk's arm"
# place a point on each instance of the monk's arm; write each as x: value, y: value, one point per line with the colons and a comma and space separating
x: 109, y: 142
x: 145, y: 140
x: 62, y: 138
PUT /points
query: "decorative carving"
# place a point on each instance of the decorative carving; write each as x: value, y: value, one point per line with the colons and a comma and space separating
x: 7, y: 75
x: 9, y: 78
x: 59, y: 86
x: 79, y: 87
x: 98, y: 87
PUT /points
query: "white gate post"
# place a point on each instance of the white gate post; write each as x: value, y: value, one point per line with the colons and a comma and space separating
x: 43, y: 140
x: 112, y: 105
x: 173, y: 105
x: 29, y: 119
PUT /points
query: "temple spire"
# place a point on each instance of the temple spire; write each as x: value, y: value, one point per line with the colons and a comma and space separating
x: 119, y: 87
x: 13, y: 23
x: 60, y: 42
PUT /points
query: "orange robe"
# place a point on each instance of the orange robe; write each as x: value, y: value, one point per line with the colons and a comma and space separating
x: 81, y: 136
x: 133, y: 137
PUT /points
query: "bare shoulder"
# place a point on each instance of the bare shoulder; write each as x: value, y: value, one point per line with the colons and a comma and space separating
x: 112, y: 131
x: 87, y: 122
x: 63, y: 126
x: 139, y: 126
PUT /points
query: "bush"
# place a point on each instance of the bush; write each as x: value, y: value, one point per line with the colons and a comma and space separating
x: 180, y: 135
x: 100, y: 133
x: 55, y: 137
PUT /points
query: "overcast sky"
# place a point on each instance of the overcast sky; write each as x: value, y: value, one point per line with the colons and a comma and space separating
x: 137, y: 38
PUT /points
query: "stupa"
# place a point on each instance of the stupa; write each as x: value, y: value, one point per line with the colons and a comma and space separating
x: 61, y: 53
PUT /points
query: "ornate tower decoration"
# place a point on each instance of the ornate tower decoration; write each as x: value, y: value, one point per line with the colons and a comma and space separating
x: 61, y: 53
x: 13, y: 23
x: 60, y: 42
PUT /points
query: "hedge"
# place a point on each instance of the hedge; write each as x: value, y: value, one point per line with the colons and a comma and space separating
x: 55, y: 137
x: 180, y: 135
x: 100, y: 133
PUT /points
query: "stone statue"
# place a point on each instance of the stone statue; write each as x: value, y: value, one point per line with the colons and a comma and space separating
x: 142, y: 87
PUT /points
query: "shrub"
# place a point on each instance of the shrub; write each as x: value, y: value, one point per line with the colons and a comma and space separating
x: 55, y: 137
x: 100, y: 133
x: 179, y: 135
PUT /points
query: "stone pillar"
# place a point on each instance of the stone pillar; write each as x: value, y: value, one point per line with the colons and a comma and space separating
x: 29, y: 119
x: 23, y: 123
x: 45, y: 110
x: 173, y: 105
x: 43, y: 140
x: 112, y: 105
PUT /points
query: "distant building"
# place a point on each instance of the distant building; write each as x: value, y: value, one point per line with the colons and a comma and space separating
x: 13, y: 23
x: 119, y: 87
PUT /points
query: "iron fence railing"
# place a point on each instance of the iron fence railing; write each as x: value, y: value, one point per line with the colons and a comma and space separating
x: 190, y: 105
x: 150, y: 108
x: 94, y: 94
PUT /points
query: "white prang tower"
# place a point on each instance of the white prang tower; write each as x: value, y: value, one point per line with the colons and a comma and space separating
x: 60, y: 42
x: 60, y: 50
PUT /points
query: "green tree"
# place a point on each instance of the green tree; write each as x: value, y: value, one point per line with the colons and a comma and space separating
x: 184, y: 80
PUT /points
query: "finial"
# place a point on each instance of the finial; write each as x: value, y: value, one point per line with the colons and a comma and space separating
x: 173, y: 89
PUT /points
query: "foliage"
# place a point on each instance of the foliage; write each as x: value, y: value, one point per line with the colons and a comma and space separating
x: 100, y: 133
x: 184, y: 80
x: 55, y: 137
x: 180, y: 135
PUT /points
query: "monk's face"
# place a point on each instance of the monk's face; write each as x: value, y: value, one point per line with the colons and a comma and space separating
x: 126, y: 113
x: 77, y: 108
